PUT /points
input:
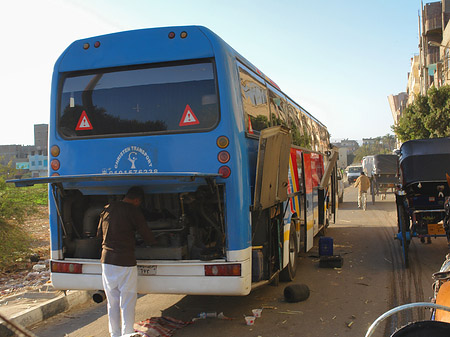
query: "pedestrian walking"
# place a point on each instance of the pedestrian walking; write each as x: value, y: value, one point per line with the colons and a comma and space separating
x: 363, y: 184
x: 118, y: 224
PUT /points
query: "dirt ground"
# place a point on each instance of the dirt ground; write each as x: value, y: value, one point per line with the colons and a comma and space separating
x: 23, y: 277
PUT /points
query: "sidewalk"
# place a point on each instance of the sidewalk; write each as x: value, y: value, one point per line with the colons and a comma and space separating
x: 32, y: 307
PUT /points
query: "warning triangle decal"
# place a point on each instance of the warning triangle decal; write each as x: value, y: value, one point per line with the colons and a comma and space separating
x: 188, y: 117
x: 83, y: 122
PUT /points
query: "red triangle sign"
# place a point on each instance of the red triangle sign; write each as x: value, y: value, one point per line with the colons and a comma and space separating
x: 188, y: 117
x: 84, y: 122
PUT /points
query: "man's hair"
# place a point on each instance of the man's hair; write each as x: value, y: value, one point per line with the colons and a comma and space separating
x: 363, y: 174
x: 135, y: 192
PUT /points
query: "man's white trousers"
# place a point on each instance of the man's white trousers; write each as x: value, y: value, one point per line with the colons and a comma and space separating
x: 120, y: 285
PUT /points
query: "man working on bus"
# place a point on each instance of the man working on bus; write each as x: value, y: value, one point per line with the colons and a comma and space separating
x: 363, y: 184
x: 118, y: 223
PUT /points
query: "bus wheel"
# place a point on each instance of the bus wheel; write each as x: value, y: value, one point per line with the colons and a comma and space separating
x: 288, y: 273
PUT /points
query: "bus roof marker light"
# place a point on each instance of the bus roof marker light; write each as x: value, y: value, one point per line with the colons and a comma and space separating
x: 86, y: 46
x: 97, y: 44
x: 183, y: 35
x: 222, y: 142
x: 171, y: 35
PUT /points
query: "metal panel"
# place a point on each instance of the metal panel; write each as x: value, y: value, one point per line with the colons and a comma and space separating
x: 272, y: 167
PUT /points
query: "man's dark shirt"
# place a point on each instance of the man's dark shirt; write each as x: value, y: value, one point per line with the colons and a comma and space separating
x: 118, y: 223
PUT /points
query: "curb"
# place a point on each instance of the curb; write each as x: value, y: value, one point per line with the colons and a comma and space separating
x: 46, y: 310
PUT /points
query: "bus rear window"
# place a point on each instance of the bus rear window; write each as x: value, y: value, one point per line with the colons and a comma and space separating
x: 165, y: 99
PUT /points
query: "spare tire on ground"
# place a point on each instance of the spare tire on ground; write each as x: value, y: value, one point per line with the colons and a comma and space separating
x: 296, y: 293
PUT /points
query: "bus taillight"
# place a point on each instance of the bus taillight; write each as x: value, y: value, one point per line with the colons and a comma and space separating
x: 54, y: 151
x: 222, y: 142
x: 64, y: 267
x: 223, y: 270
x: 55, y: 164
x: 224, y: 171
x: 223, y: 157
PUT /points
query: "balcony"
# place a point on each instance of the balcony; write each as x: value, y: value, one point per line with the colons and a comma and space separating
x: 433, y: 55
x: 433, y: 23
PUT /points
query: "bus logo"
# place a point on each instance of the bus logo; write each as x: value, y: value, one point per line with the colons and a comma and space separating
x: 132, y: 159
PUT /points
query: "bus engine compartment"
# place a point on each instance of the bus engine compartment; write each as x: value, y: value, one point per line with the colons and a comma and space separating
x: 186, y: 225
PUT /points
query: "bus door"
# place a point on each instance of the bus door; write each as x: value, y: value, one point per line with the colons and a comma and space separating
x: 309, y: 200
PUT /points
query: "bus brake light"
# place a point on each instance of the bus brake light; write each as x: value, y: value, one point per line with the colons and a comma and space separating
x: 224, y: 171
x: 64, y: 267
x: 223, y: 270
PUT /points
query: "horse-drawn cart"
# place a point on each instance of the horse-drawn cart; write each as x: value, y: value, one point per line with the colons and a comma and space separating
x: 423, y: 190
x: 384, y: 177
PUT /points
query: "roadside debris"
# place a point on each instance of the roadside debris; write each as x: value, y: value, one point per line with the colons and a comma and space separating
x: 159, y: 326
x: 296, y: 293
x: 204, y: 315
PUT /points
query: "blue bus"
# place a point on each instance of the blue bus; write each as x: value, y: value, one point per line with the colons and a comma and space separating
x: 215, y: 144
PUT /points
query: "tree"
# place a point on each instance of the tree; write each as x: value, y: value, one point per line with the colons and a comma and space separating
x: 427, y: 117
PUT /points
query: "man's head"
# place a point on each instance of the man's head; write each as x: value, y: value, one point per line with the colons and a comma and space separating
x: 363, y: 174
x: 135, y: 196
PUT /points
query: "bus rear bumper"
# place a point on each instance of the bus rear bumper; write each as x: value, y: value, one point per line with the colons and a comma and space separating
x: 189, y: 283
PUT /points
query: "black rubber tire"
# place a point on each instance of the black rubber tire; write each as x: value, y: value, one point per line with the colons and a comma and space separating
x: 288, y: 273
x: 403, y: 226
x: 296, y: 293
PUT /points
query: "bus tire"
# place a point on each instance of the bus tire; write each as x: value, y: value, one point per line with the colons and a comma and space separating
x: 296, y: 293
x: 288, y: 273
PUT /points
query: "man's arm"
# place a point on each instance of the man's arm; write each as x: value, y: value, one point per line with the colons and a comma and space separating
x: 143, y: 230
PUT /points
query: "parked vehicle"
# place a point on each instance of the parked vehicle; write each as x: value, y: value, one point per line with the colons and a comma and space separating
x: 421, y: 195
x: 353, y: 172
x: 238, y: 178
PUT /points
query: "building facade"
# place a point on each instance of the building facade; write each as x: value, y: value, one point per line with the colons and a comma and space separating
x: 32, y: 158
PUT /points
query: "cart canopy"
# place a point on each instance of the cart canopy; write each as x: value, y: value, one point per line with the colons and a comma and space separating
x: 385, y: 164
x: 425, y: 160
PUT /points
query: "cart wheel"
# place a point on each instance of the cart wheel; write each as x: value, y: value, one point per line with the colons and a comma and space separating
x: 373, y: 194
x: 403, y: 223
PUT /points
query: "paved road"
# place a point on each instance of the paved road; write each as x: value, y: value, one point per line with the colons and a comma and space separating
x: 343, y: 302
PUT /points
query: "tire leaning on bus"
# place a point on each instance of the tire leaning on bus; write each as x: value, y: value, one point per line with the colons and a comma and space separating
x: 288, y: 273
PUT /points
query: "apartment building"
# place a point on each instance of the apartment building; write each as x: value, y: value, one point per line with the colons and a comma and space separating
x: 32, y: 158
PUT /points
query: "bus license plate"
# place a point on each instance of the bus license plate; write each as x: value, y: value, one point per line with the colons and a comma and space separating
x: 146, y: 270
x: 436, y: 229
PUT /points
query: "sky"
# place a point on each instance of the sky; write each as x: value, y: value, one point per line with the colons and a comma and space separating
x: 340, y: 60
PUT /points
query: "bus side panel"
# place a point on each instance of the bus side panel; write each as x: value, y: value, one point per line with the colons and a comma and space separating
x: 238, y: 195
x: 309, y: 201
x: 295, y: 179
